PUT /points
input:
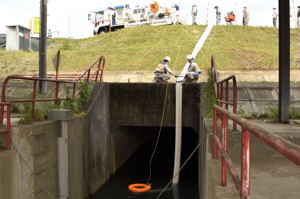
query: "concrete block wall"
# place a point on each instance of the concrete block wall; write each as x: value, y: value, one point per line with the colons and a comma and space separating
x: 36, y: 159
x: 259, y: 97
x: 36, y: 146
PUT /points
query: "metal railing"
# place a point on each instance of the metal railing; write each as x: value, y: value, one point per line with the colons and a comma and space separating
x: 5, y: 129
x: 222, y: 90
x: 87, y: 76
x: 242, y: 182
x: 288, y: 149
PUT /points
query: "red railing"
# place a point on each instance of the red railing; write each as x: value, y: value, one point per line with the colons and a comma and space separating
x: 87, y: 76
x: 34, y: 98
x: 222, y: 90
x: 281, y: 145
x: 5, y: 129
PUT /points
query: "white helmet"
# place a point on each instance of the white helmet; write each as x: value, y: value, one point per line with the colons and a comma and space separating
x: 189, y: 57
x: 167, y: 58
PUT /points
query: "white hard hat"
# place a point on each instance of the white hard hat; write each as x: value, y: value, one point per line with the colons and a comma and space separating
x: 167, y: 58
x: 189, y: 57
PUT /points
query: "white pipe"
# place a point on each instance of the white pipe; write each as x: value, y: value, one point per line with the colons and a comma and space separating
x: 178, y: 119
x: 195, y: 52
x: 178, y: 134
x: 63, y: 163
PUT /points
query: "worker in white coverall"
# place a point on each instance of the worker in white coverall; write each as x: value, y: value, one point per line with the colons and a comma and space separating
x: 162, y: 71
x: 193, y: 71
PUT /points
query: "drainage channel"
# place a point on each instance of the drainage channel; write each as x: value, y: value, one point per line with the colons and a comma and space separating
x: 136, y: 169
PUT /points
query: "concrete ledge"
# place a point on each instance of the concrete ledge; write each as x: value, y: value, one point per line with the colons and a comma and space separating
x: 59, y: 114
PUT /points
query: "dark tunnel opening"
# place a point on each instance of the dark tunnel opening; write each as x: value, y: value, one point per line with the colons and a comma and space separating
x: 136, y: 169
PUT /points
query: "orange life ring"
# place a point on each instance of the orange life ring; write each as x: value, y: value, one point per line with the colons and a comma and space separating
x: 139, y: 188
x: 154, y: 7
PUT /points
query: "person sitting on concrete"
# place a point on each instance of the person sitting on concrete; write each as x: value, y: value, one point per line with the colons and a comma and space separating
x: 162, y: 71
x: 193, y: 71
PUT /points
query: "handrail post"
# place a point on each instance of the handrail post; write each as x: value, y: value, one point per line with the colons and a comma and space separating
x: 1, y: 114
x: 226, y: 93
x: 74, y: 89
x: 215, y: 133
x: 3, y: 96
x: 8, y: 127
x: 221, y: 94
x: 98, y: 69
x: 234, y: 97
x: 33, y: 98
x: 56, y: 93
x: 88, y: 75
x: 224, y: 149
x: 102, y: 68
x: 245, y: 164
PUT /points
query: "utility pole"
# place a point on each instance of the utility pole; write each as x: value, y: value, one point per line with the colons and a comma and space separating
x: 43, y: 47
x: 284, y: 60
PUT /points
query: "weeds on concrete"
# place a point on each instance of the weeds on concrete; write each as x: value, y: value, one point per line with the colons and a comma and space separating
x: 210, y: 98
x: 271, y: 114
x: 15, y: 108
x: 42, y: 108
x: 84, y: 95
x: 26, y: 114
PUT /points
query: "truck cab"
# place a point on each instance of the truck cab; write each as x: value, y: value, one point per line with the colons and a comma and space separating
x: 109, y: 19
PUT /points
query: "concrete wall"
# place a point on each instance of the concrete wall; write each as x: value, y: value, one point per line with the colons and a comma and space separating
x: 36, y: 146
x: 77, y: 157
x: 99, y: 138
x: 258, y: 97
x: 9, y: 175
x: 101, y: 141
x: 141, y: 104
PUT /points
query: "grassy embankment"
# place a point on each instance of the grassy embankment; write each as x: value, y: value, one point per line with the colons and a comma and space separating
x: 141, y: 48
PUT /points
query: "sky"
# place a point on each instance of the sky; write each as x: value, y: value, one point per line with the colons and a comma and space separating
x: 68, y: 18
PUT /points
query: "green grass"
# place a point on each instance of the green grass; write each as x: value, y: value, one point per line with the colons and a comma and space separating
x: 142, y: 48
x: 245, y: 48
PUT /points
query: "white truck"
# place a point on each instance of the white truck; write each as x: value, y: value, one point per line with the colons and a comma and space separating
x: 118, y: 17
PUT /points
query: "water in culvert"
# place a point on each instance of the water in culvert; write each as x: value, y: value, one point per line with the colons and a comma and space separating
x: 136, y: 170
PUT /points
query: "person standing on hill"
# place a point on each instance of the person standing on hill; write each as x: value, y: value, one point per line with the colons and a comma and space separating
x: 245, y: 16
x: 218, y: 15
x: 298, y: 17
x: 194, y: 14
x: 274, y: 16
x: 230, y: 18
